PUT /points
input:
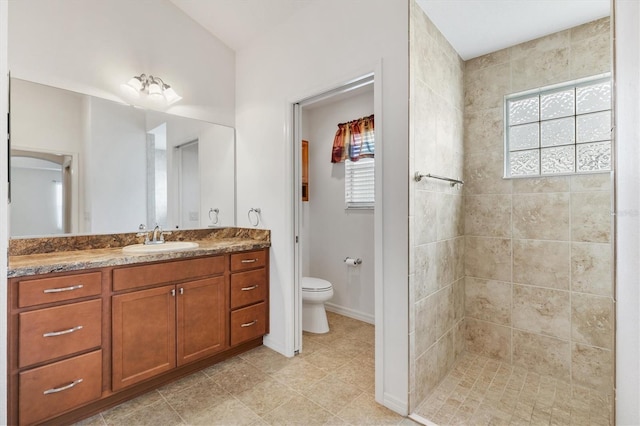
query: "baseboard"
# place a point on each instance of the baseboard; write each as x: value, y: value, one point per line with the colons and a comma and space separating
x: 419, y: 419
x: 393, y: 403
x: 351, y: 313
x: 271, y: 344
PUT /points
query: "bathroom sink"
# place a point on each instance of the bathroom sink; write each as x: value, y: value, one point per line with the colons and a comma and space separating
x: 159, y: 248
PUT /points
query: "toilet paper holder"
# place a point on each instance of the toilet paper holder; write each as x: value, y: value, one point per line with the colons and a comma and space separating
x: 352, y: 262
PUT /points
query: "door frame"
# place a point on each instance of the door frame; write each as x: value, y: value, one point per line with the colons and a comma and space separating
x: 371, y: 76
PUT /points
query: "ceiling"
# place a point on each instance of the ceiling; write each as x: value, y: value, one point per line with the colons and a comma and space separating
x: 473, y: 27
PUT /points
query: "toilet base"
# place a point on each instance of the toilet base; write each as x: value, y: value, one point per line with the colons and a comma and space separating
x: 314, y: 318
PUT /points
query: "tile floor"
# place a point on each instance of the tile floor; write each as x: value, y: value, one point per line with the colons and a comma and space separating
x: 331, y: 382
x: 483, y: 391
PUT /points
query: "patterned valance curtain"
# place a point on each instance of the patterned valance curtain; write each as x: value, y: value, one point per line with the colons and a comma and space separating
x: 354, y: 140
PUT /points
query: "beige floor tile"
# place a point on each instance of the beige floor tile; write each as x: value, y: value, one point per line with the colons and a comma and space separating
x: 119, y: 412
x: 331, y: 394
x: 266, y: 396
x: 299, y: 374
x: 157, y: 414
x: 265, y: 359
x: 182, y: 384
x: 364, y: 410
x: 96, y: 420
x: 358, y: 374
x: 238, y: 377
x: 298, y: 411
x: 191, y: 402
x: 328, y: 359
x: 230, y: 412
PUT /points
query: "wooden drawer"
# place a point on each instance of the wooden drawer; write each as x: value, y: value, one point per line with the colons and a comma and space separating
x: 248, y: 260
x: 248, y: 288
x: 54, y: 332
x: 248, y: 323
x: 168, y: 272
x: 57, y: 289
x: 55, y: 388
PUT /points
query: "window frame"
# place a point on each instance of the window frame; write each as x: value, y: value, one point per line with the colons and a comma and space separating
x: 541, y: 91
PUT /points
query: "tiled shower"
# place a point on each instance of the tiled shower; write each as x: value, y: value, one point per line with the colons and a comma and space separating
x: 518, y: 271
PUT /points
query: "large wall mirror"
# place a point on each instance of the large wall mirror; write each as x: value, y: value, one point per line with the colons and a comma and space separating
x: 86, y: 165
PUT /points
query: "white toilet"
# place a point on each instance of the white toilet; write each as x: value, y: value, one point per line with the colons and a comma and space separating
x: 315, y: 292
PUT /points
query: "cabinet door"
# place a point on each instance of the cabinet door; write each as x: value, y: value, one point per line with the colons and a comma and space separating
x: 201, y: 319
x: 144, y: 336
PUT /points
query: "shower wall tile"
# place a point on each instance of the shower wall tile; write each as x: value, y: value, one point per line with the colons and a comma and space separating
x: 486, y: 61
x: 597, y: 28
x: 488, y: 339
x: 542, y: 263
x: 485, y: 88
x: 445, y: 351
x: 444, y: 311
x: 446, y: 266
x: 594, y: 182
x: 543, y: 184
x: 592, y: 367
x: 538, y: 285
x: 484, y: 174
x: 488, y: 258
x: 592, y: 320
x: 483, y: 131
x: 591, y: 56
x: 540, y: 45
x: 459, y: 344
x: 458, y: 300
x: 591, y: 268
x: 488, y: 216
x: 426, y: 207
x: 591, y: 217
x: 540, y: 68
x: 450, y: 219
x: 544, y: 355
x: 426, y: 317
x: 488, y: 300
x: 427, y: 375
x: 541, y: 216
x: 437, y: 209
x: 426, y: 281
x: 542, y: 311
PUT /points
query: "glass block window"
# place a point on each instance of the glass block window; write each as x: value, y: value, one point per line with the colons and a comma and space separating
x: 559, y: 129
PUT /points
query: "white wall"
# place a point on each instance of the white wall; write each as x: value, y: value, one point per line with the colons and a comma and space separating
x: 333, y: 232
x: 94, y: 46
x: 305, y: 56
x: 34, y: 208
x: 627, y: 69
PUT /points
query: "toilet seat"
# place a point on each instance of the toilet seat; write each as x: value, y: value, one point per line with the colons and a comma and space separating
x: 312, y: 284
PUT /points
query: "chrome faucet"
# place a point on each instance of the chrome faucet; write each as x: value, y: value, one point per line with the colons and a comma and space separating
x: 157, y: 235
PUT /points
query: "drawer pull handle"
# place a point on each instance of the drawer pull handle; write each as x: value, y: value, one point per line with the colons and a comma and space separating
x: 249, y: 260
x: 61, y: 289
x: 249, y: 324
x: 253, y: 287
x: 60, y: 333
x: 63, y: 388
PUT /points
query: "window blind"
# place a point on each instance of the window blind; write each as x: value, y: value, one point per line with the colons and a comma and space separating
x: 359, y: 187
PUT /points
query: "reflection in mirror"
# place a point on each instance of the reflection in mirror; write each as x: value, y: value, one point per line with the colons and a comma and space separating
x: 116, y: 166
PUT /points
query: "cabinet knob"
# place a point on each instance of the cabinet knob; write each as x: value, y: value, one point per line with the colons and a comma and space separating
x: 249, y: 324
x: 63, y: 388
x: 60, y: 333
x: 253, y: 287
x: 61, y: 289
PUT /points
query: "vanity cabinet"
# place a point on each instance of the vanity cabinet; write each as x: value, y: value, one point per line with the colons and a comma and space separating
x: 55, y: 346
x: 249, y: 294
x: 157, y: 329
x: 83, y: 341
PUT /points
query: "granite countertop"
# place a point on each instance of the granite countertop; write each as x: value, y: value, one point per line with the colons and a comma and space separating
x: 102, y: 252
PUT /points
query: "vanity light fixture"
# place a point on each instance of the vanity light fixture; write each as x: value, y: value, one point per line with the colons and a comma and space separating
x: 154, y: 87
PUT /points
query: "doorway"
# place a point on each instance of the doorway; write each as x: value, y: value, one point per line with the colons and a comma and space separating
x: 327, y: 232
